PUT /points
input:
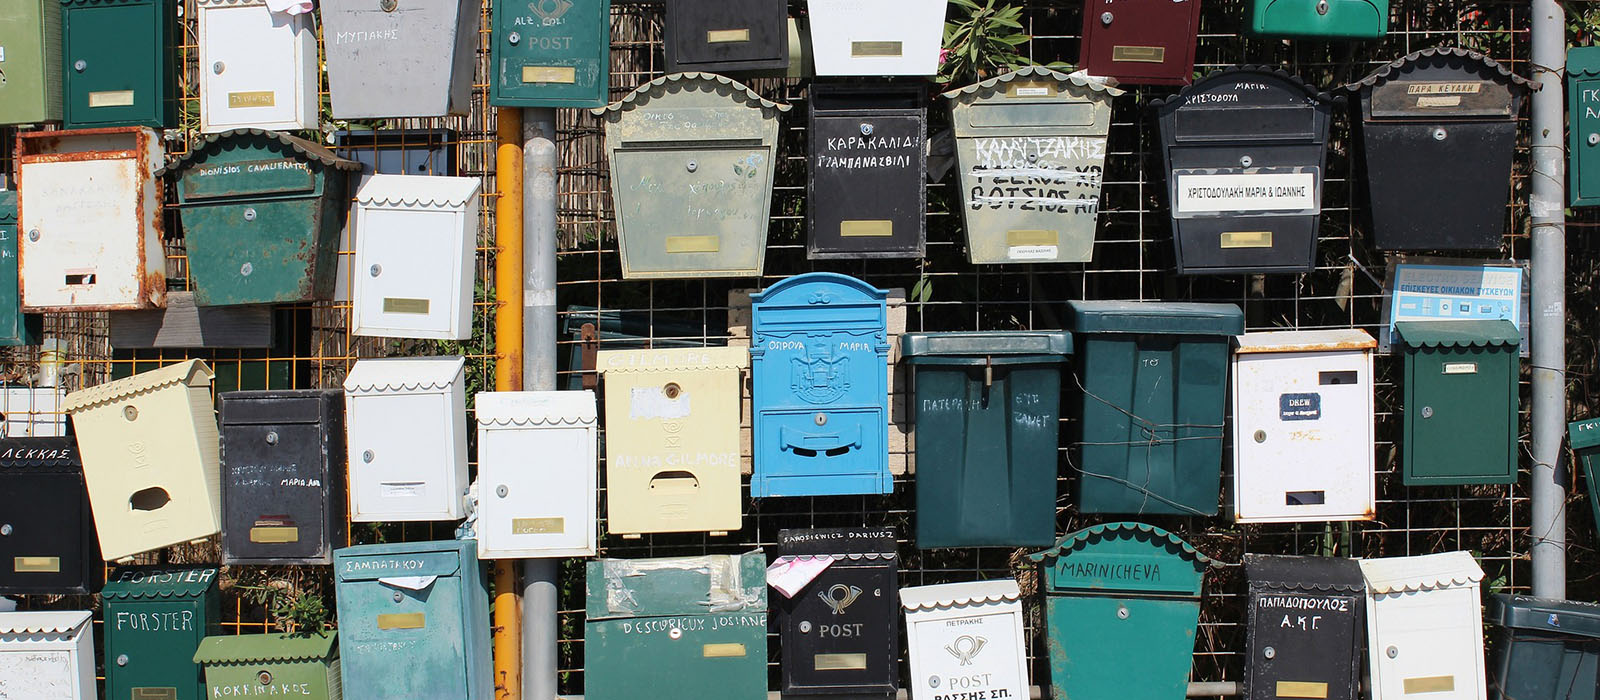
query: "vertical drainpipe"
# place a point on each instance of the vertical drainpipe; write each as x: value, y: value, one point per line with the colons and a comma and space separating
x: 508, y: 375
x: 1547, y: 318
x: 539, y: 374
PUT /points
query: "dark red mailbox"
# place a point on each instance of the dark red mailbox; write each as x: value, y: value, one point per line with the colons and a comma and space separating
x: 1150, y: 42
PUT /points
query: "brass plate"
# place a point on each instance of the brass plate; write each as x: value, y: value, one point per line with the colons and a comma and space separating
x: 549, y: 74
x: 1302, y: 689
x: 692, y: 244
x: 275, y: 534
x: 1139, y: 54
x: 841, y: 662
x: 395, y: 305
x: 722, y: 651
x: 111, y: 98
x: 1246, y: 239
x: 875, y: 48
x: 538, y: 526
x: 402, y: 621
x: 1030, y: 237
x: 155, y: 694
x: 1033, y: 88
x: 727, y: 36
x: 259, y: 98
x: 866, y: 228
x: 37, y: 565
x: 1460, y: 368
x: 1430, y: 684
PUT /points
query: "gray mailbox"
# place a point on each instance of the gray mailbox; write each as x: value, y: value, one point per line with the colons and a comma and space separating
x: 400, y: 58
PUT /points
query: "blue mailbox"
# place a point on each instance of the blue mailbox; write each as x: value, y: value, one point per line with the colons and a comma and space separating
x: 819, y: 361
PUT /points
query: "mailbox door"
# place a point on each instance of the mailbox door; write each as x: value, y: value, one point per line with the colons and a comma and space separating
x: 673, y: 658
x: 423, y: 626
x: 824, y: 451
x: 32, y: 412
x: 274, y: 495
x: 537, y: 492
x: 89, y: 251
x: 1234, y: 234
x: 972, y: 653
x: 115, y: 63
x: 1437, y: 645
x: 1585, y: 105
x: 1140, y: 41
x: 16, y: 328
x: 1332, y: 19
x: 409, y: 273
x: 253, y: 69
x: 406, y: 477
x: 150, y: 647
x: 413, y: 60
x: 876, y: 37
x: 1091, y: 639
x: 717, y: 225
x: 1453, y: 207
x: 839, y: 632
x: 867, y: 173
x: 44, y: 550
x: 1313, y: 641
x: 551, y: 54
x: 722, y: 36
x: 240, y: 256
x: 1459, y: 404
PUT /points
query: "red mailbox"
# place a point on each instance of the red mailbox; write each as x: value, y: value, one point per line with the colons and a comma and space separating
x: 1149, y: 42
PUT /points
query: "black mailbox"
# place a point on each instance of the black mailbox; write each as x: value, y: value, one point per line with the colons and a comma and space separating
x: 1304, y: 630
x: 283, y: 469
x: 47, y: 539
x: 1244, y: 150
x: 867, y: 185
x: 727, y: 36
x: 840, y: 631
x: 1438, y: 133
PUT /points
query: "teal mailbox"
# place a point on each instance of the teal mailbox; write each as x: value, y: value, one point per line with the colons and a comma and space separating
x: 550, y: 53
x: 1545, y: 649
x: 155, y: 618
x: 117, y: 67
x: 1583, y: 145
x: 16, y: 328
x: 1584, y: 436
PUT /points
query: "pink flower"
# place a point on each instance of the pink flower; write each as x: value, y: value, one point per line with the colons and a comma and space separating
x: 944, y: 55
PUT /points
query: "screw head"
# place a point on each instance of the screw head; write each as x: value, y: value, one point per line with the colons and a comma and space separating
x: 866, y: 129
x: 130, y: 413
x: 1440, y: 134
x: 375, y: 270
x: 1269, y: 652
x: 33, y: 234
x: 1427, y: 411
x: 122, y: 659
x: 5, y: 530
x: 250, y: 214
x: 513, y: 38
x: 820, y: 419
x: 805, y: 626
x: 246, y: 269
x: 501, y: 490
x: 692, y: 166
x: 79, y: 65
x: 1105, y: 18
x: 272, y: 438
x: 367, y: 456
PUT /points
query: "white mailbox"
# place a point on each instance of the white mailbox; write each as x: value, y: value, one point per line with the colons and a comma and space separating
x: 877, y: 37
x: 47, y: 656
x: 1302, y: 426
x: 966, y: 638
x: 414, y: 257
x: 32, y: 411
x: 1425, y: 627
x: 406, y: 419
x: 258, y: 68
x: 537, y: 474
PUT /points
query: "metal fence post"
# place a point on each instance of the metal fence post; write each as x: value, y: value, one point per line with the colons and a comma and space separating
x: 539, y: 595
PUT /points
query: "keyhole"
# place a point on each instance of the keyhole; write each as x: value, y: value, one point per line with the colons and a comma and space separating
x: 130, y: 413
x: 265, y: 677
x: 672, y: 390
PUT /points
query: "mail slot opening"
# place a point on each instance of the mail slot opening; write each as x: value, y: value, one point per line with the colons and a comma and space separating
x: 152, y: 498
x: 874, y: 99
x: 80, y: 278
x: 675, y: 479
x: 832, y: 452
x: 1343, y: 377
x: 1304, y: 498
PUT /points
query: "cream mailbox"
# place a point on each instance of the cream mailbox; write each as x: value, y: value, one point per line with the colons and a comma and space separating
x: 537, y: 474
x: 413, y: 266
x: 406, y: 423
x: 966, y: 639
x: 672, y: 439
x: 150, y: 458
x: 1302, y: 426
x: 47, y: 656
x: 258, y: 68
x: 692, y: 156
x: 876, y: 37
x: 1425, y: 627
x: 388, y: 58
x: 32, y: 411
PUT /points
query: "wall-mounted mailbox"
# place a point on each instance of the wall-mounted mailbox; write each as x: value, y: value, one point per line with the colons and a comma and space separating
x: 47, y: 654
x: 154, y: 619
x: 32, y: 411
x: 89, y: 231
x: 413, y: 621
x: 839, y: 630
x: 267, y: 665
x: 16, y: 328
x: 819, y: 372
x: 1460, y: 401
x: 1438, y: 135
x: 550, y: 53
x: 967, y: 636
x: 406, y: 429
x: 1546, y: 649
x: 1324, y: 19
x: 283, y: 469
x: 1245, y: 150
x: 1304, y: 633
x: 47, y: 540
x: 867, y: 184
x: 1049, y: 129
x: 1302, y: 427
x: 149, y: 448
x: 1154, y: 380
x: 1583, y: 146
x: 30, y: 33
x: 664, y: 626
x: 258, y: 68
x: 538, y: 474
x: 394, y: 59
x: 413, y: 266
x: 698, y: 212
x: 850, y: 37
x: 117, y: 63
x: 1425, y: 627
x: 389, y: 152
x: 988, y: 409
x: 1144, y: 42
x: 1584, y: 438
x: 672, y: 439
x: 727, y: 36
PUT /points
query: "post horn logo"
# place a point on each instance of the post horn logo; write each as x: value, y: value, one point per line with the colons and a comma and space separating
x: 550, y: 9
x: 972, y: 645
x: 840, y: 597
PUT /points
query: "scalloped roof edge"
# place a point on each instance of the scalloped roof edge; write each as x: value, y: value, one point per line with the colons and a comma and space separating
x: 1034, y: 71
x: 301, y: 146
x: 187, y: 372
x: 1258, y: 68
x: 1384, y: 71
x: 750, y: 96
x: 949, y: 595
x: 1075, y: 537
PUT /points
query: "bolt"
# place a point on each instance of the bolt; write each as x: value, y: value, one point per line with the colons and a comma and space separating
x: 1427, y: 411
x: 513, y: 38
x: 1105, y: 18
x: 79, y: 65
x: 218, y: 67
x: 866, y: 129
x: 367, y: 456
x: 246, y: 269
x: 272, y: 438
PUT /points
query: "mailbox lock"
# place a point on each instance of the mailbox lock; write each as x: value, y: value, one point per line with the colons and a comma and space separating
x: 501, y: 490
x: 122, y: 659
x: 820, y: 419
x: 367, y: 456
x: 805, y: 627
x: 246, y: 269
x: 1246, y: 161
x: 1440, y: 134
x: 1594, y: 139
x: 692, y: 166
x: 375, y: 270
x: 1391, y: 652
x: 398, y: 596
x: 5, y: 529
x: 1261, y: 436
x: 513, y: 38
x: 1122, y: 612
x: 250, y: 214
x: 1269, y: 652
x: 672, y: 390
x: 387, y: 5
x: 866, y: 129
x: 1322, y: 7
x: 33, y: 234
x: 1427, y: 411
x: 130, y: 413
x: 264, y: 676
x: 218, y: 67
x: 272, y: 438
x: 675, y: 633
x: 1105, y: 18
x: 79, y: 65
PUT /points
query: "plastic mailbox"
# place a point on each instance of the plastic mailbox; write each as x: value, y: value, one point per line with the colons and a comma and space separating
x: 1305, y: 617
x: 155, y: 617
x: 876, y: 37
x: 406, y: 428
x: 1146, y: 42
x: 1323, y: 19
x: 727, y: 36
x: 413, y: 266
x: 537, y: 474
x: 1546, y: 649
x: 400, y: 58
x: 550, y: 53
x: 258, y: 68
x: 117, y: 63
x: 47, y: 654
x: 16, y: 328
x: 867, y: 184
x: 47, y: 536
x: 1460, y: 420
x: 30, y: 34
x: 1425, y: 627
x: 256, y: 665
x: 966, y: 637
x: 283, y: 472
x: 839, y: 628
x: 1583, y: 146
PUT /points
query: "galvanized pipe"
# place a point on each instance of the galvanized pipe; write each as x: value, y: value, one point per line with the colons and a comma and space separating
x: 539, y: 374
x: 1547, y: 317
x: 508, y: 376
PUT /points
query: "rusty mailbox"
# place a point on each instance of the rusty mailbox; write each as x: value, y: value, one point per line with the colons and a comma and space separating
x: 30, y: 37
x: 1146, y: 42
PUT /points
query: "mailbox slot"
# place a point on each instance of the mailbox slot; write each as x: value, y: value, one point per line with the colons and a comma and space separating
x: 406, y: 429
x: 867, y: 185
x: 550, y: 54
x: 414, y: 61
x: 1461, y: 399
x: 727, y: 36
x: 154, y: 620
x: 838, y: 630
x: 1424, y: 626
x: 1146, y: 42
x: 48, y: 654
x: 851, y: 37
x: 537, y: 473
x: 49, y: 547
x: 1305, y: 620
x: 283, y: 476
x: 258, y: 68
x: 117, y: 63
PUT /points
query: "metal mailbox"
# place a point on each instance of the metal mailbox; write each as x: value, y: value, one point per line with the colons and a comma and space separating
x: 1031, y: 150
x: 406, y: 429
x: 47, y: 654
x: 672, y: 439
x: 413, y: 265
x: 1546, y: 649
x: 258, y: 68
x: 1425, y: 627
x: 283, y: 471
x: 267, y: 665
x: 1583, y: 100
x: 550, y: 53
x: 154, y: 619
x: 820, y: 381
x: 90, y: 220
x: 413, y: 621
x: 117, y: 63
x: 1460, y: 419
x: 1244, y: 150
x: 1153, y: 380
x: 47, y: 536
x: 663, y: 627
x: 1304, y: 631
x: 723, y: 36
x: 389, y: 152
x: 1584, y: 437
x: 867, y: 186
x: 839, y: 630
x: 966, y: 638
x: 988, y: 414
x: 538, y: 473
x: 30, y: 44
x: 1145, y: 42
x: 32, y: 411
x: 1438, y: 132
x: 392, y: 59
x: 150, y: 458
x: 876, y: 37
x: 1324, y: 19
x: 692, y: 156
x: 1302, y: 427
x: 16, y: 328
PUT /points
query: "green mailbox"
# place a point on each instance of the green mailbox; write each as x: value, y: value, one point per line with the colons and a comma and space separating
x: 30, y: 65
x: 261, y: 217
x: 550, y: 53
x: 1583, y: 98
x: 1545, y: 649
x: 987, y: 409
x: 1584, y: 436
x: 1320, y: 19
x: 1153, y: 380
x: 155, y: 617
x: 271, y: 665
x: 1121, y: 604
x: 1460, y: 420
x: 116, y: 63
x: 16, y: 328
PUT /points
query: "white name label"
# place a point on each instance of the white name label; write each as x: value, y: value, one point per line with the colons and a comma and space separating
x: 1234, y: 193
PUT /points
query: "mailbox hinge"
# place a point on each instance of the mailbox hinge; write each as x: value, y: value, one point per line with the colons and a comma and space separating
x: 590, y: 337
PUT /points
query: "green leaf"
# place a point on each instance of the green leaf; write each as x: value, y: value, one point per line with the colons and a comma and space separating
x: 922, y: 291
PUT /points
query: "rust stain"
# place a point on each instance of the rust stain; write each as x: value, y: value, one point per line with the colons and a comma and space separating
x: 1308, y: 347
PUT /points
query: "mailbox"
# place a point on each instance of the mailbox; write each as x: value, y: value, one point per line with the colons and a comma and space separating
x: 672, y: 439
x: 16, y: 328
x: 30, y: 39
x: 1460, y: 418
x: 663, y: 627
x: 283, y: 469
x: 1302, y: 427
x: 1031, y: 152
x: 89, y: 232
x: 988, y: 414
x: 1438, y: 133
x: 1546, y: 649
x: 117, y: 63
x: 550, y: 53
x: 1144, y: 42
x: 389, y: 152
x: 256, y: 665
x: 1153, y: 380
x: 966, y: 637
x: 1425, y: 626
x: 149, y: 448
x: 32, y: 411
x: 406, y: 423
x: 867, y: 184
x: 154, y: 619
x: 47, y: 654
x: 47, y: 540
x: 1583, y: 99
x: 820, y: 381
x: 1244, y: 150
x: 392, y: 59
x: 878, y: 37
x: 719, y: 36
x: 838, y: 631
x: 538, y: 474
x: 1304, y: 632
x: 413, y: 621
x: 1324, y: 19
x: 1584, y: 438
x: 258, y: 68
x: 261, y: 217
x: 413, y: 266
